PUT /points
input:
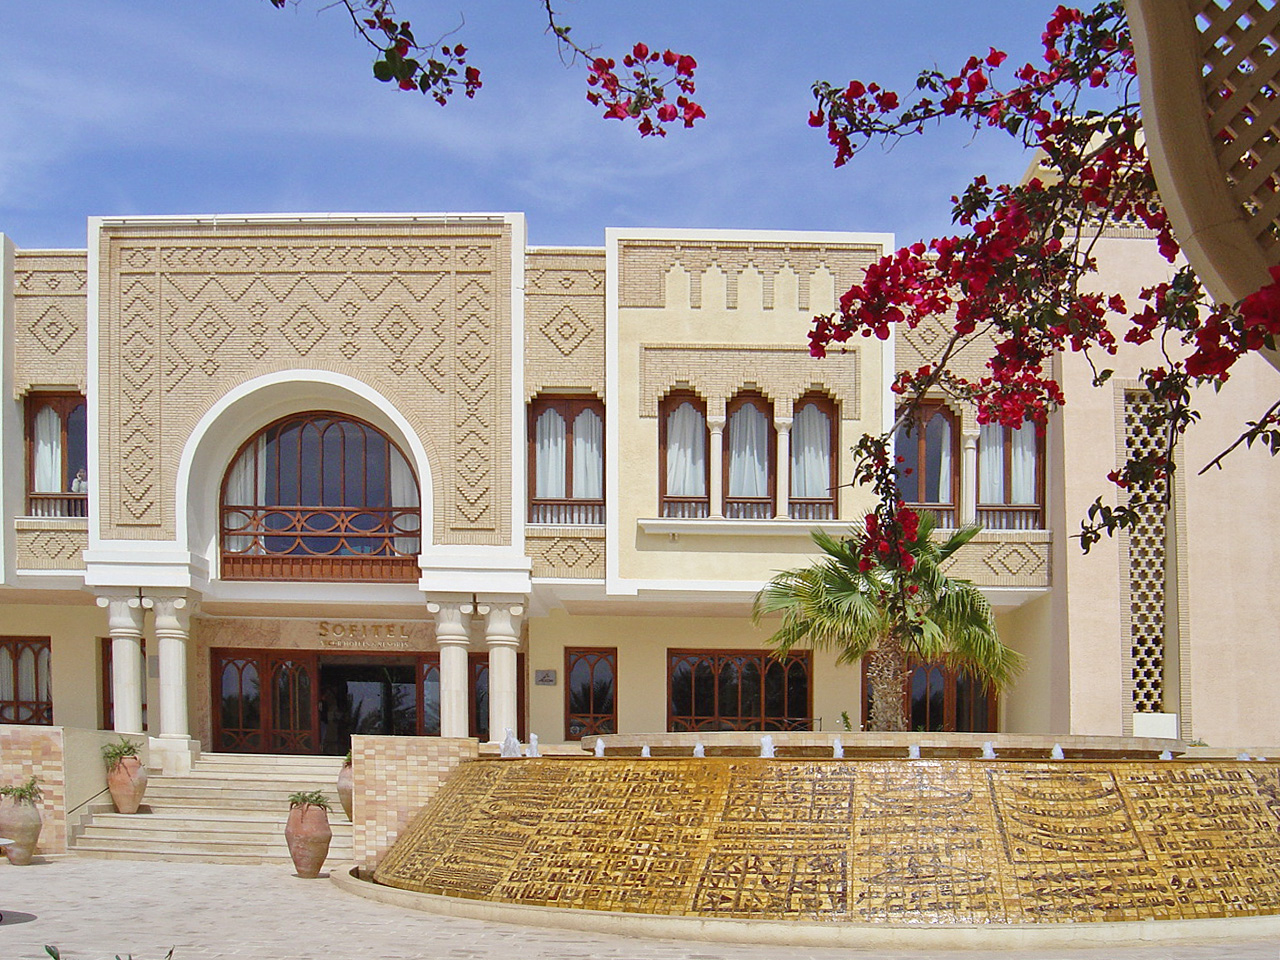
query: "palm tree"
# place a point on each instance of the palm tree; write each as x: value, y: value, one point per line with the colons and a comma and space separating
x: 888, y: 613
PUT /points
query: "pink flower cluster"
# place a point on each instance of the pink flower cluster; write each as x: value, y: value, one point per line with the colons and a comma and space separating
x: 643, y: 95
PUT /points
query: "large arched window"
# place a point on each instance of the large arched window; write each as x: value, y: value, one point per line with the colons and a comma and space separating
x: 320, y: 496
x: 813, y: 468
x: 749, y: 468
x: 684, y: 472
x: 928, y: 471
x: 1010, y: 478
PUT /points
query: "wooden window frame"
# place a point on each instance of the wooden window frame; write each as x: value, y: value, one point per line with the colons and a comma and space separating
x: 750, y: 508
x: 816, y: 508
x: 950, y: 678
x: 572, y: 510
x: 595, y: 723
x: 717, y: 721
x: 1006, y: 515
x: 692, y: 508
x: 385, y: 564
x: 948, y: 512
x: 38, y: 713
x: 62, y: 503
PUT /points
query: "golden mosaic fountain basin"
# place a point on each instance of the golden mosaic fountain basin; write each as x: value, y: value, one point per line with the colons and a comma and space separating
x: 920, y: 843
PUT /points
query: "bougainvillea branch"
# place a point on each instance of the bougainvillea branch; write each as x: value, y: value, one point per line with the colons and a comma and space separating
x: 1012, y: 281
x: 654, y: 88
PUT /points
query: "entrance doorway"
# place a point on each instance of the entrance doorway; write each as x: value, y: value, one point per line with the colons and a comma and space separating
x: 307, y: 702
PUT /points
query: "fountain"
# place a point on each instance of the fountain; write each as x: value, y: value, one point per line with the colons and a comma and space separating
x: 644, y: 751
x: 510, y: 746
x: 913, y: 752
x: 699, y: 750
x: 988, y: 750
x: 532, y: 749
x: 599, y: 747
x: 1056, y: 753
x: 766, y: 746
x: 837, y: 749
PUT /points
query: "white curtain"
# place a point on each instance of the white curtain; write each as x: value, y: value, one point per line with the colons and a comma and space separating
x: 686, y: 452
x: 246, y: 486
x: 938, y: 478
x: 404, y: 493
x: 1022, y: 480
x: 588, y: 456
x: 748, y: 452
x: 991, y: 464
x: 811, y: 453
x: 548, y: 456
x: 48, y: 451
x: 8, y: 690
x: 27, y: 674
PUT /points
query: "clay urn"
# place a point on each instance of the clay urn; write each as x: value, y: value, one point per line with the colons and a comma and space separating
x: 20, y: 823
x: 127, y: 781
x: 307, y: 833
x: 346, y: 786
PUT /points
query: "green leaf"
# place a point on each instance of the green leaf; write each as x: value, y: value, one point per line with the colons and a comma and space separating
x: 383, y: 71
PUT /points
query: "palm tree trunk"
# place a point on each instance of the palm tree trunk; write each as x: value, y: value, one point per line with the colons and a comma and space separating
x: 886, y: 673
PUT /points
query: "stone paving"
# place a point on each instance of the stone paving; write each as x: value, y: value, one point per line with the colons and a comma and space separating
x: 95, y: 909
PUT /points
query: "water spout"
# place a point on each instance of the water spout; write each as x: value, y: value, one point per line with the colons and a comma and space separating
x: 699, y: 750
x: 913, y: 752
x: 989, y: 750
x: 766, y: 746
x: 532, y: 749
x: 1056, y: 753
x: 1166, y: 755
x: 599, y: 747
x: 1242, y: 755
x: 837, y: 749
x: 510, y: 745
x: 644, y: 751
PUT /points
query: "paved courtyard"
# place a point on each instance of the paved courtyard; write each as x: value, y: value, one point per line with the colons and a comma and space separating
x: 94, y: 909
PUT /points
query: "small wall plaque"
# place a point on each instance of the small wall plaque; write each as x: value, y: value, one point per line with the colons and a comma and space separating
x: 544, y: 678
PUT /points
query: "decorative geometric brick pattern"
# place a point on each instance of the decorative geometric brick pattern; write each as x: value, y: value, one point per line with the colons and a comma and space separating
x: 870, y: 841
x: 51, y: 549
x: 38, y: 751
x: 1005, y: 558
x: 49, y: 310
x: 420, y: 312
x: 393, y: 778
x: 1146, y: 567
x: 564, y: 321
x: 566, y: 552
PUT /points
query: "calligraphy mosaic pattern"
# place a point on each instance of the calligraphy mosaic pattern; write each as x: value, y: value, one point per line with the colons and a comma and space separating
x: 874, y: 841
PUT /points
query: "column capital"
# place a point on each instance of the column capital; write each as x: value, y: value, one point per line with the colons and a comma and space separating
x: 783, y: 424
x: 124, y: 614
x: 716, y: 424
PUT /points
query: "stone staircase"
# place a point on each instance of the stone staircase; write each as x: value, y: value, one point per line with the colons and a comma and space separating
x: 231, y: 808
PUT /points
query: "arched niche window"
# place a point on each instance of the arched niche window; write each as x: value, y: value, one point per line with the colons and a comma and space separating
x: 749, y: 464
x: 566, y: 460
x: 813, y: 465
x: 57, y: 455
x: 320, y: 496
x: 683, y: 471
x: 1010, y: 478
x: 928, y: 474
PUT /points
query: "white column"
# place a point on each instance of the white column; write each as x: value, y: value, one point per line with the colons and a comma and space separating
x: 172, y: 627
x: 782, y: 494
x: 502, y: 635
x: 453, y: 638
x: 124, y: 624
x: 716, y: 489
x: 967, y: 508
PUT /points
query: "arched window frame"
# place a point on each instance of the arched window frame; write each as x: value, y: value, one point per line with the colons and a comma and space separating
x: 816, y: 508
x: 913, y: 486
x: 1000, y: 512
x: 572, y: 509
x: 682, y: 507
x: 750, y: 507
x: 965, y: 705
x: 320, y: 542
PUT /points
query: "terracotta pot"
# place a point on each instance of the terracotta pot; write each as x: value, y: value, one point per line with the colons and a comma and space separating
x: 346, y: 787
x: 127, y: 781
x: 20, y: 822
x: 307, y: 833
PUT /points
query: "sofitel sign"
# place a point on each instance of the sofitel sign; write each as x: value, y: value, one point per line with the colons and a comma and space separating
x: 364, y: 636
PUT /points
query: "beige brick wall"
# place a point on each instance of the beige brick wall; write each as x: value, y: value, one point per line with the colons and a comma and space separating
x: 38, y: 751
x: 49, y: 313
x: 569, y: 552
x: 564, y: 321
x: 393, y: 778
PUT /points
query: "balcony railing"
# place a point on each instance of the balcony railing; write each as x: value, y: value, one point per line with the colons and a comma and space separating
x: 1005, y: 517
x: 945, y: 512
x: 812, y: 509
x: 567, y: 513
x: 57, y: 505
x: 748, y: 508
x: 696, y: 724
x: 686, y: 508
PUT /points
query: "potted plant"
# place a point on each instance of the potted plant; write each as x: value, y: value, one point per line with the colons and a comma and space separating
x: 20, y: 820
x: 346, y: 786
x: 307, y: 832
x: 126, y: 776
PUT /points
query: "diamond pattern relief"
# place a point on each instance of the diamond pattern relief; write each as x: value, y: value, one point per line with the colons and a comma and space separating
x: 566, y: 330
x: 52, y: 329
x: 304, y: 330
x: 1013, y: 560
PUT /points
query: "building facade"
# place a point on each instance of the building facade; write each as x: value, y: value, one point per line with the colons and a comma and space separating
x: 271, y: 481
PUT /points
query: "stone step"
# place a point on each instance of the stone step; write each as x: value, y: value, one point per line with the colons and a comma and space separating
x: 205, y: 852
x: 197, y: 828
x: 213, y: 791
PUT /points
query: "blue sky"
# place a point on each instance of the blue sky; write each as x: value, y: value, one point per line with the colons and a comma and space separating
x: 125, y: 107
